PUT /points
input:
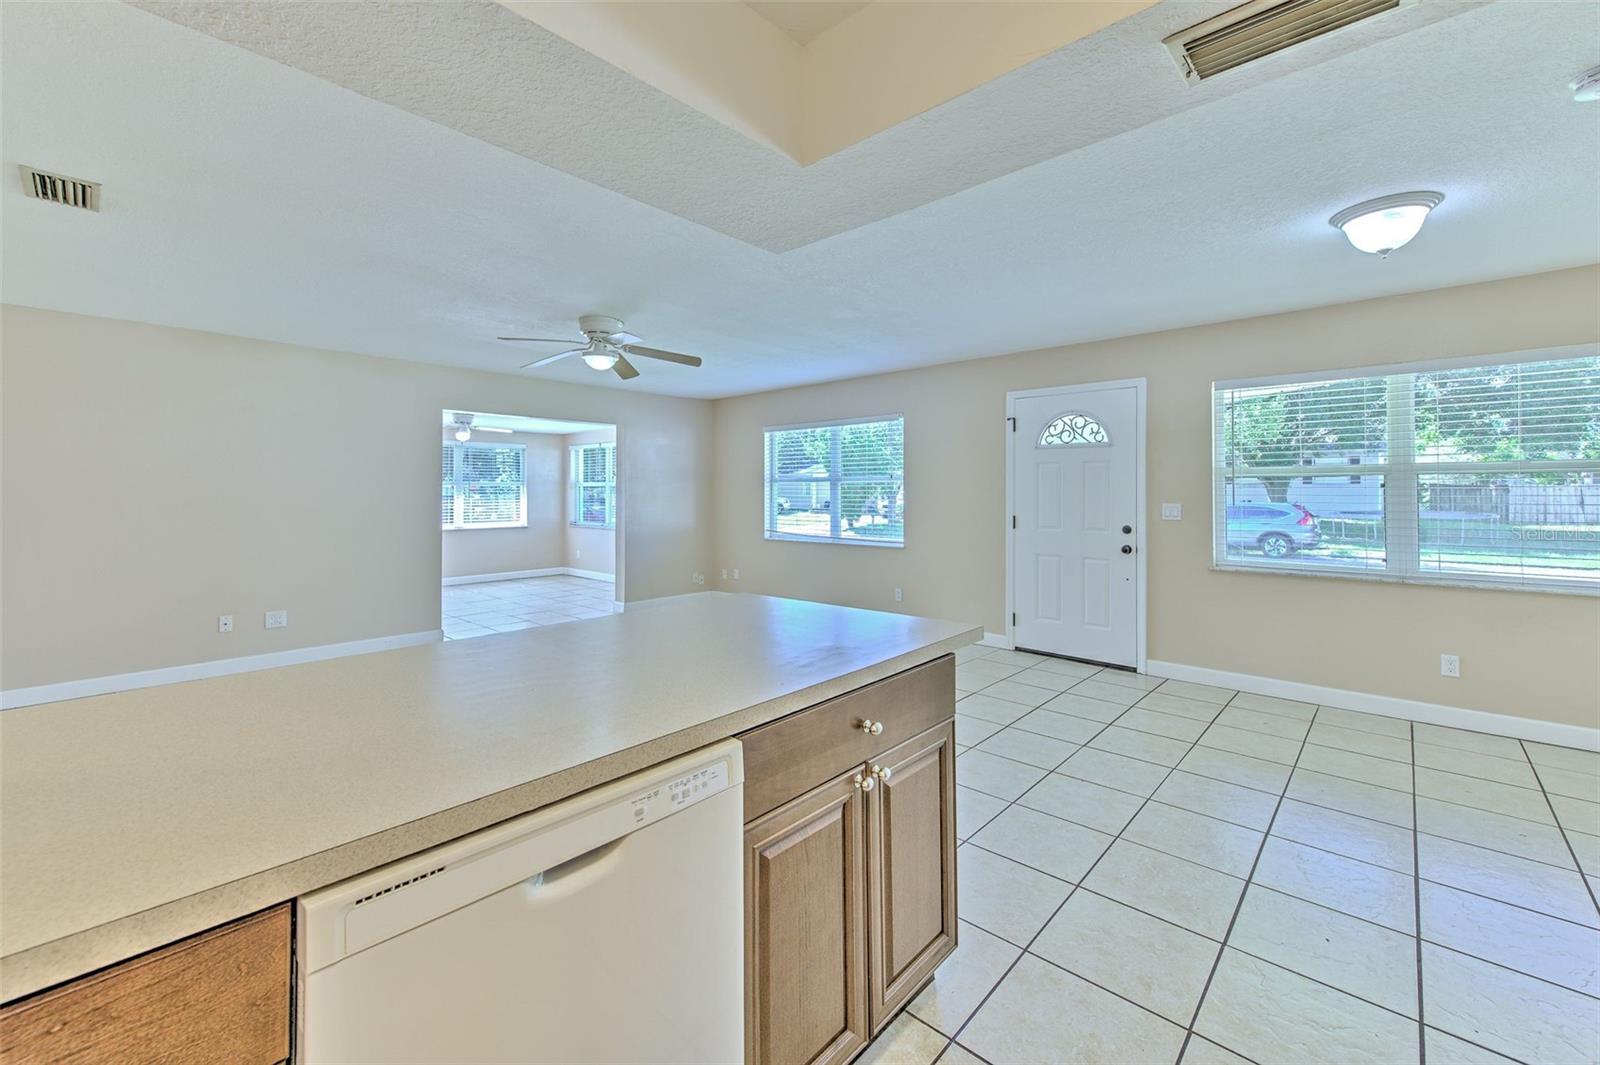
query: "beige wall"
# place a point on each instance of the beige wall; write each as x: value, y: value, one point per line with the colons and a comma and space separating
x: 586, y: 548
x: 153, y: 478
x: 542, y: 543
x: 1527, y: 654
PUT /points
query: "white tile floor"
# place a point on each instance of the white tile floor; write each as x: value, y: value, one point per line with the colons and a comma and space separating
x: 1160, y: 872
x: 506, y: 606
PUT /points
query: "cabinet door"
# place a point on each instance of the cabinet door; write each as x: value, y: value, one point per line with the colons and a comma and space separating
x: 911, y: 867
x: 806, y: 928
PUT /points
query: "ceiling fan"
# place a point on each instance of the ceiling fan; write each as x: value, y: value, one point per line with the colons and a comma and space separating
x: 608, y: 348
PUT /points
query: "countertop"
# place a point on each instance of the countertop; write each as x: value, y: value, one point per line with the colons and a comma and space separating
x: 131, y: 820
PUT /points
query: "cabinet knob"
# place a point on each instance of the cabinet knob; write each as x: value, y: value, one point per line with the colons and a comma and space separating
x: 864, y: 783
x: 871, y: 727
x: 881, y: 772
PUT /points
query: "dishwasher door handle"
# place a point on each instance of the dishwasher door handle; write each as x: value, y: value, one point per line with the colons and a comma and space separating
x: 562, y: 879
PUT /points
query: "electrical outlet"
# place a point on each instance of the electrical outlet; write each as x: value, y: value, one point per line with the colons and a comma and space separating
x: 724, y: 572
x: 899, y: 596
x: 224, y: 622
x: 577, y: 553
x: 736, y: 573
x: 1449, y: 665
x: 699, y: 578
x: 277, y: 619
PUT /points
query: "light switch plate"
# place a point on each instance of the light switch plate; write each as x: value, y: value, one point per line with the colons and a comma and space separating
x: 1172, y: 512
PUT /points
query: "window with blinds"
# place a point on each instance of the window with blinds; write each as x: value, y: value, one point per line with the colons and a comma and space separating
x: 483, y: 486
x: 837, y: 482
x: 1482, y: 474
x: 594, y: 485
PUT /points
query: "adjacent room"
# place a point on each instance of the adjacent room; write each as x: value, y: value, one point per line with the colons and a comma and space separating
x: 970, y: 532
x: 522, y: 499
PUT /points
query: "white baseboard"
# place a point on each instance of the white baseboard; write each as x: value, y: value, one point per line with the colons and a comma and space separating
x: 149, y: 678
x: 1522, y: 728
x: 996, y: 639
x: 509, y: 575
x: 590, y: 574
x: 519, y: 574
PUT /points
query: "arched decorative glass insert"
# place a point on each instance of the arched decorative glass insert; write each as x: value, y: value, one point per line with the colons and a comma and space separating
x: 1074, y: 430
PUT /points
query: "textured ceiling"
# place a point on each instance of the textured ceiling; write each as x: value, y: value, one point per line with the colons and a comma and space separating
x: 247, y: 197
x: 479, y: 68
x: 804, y: 20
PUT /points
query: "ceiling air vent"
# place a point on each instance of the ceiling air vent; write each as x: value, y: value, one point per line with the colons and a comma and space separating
x: 58, y: 188
x: 1259, y: 29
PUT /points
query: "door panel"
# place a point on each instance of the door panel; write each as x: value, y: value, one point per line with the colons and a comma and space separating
x: 911, y: 884
x: 805, y: 929
x: 1075, y: 488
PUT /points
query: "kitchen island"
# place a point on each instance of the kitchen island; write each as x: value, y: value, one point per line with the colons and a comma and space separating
x: 133, y: 820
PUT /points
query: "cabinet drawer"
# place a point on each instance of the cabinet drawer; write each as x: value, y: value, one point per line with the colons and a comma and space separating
x: 220, y: 996
x: 788, y: 757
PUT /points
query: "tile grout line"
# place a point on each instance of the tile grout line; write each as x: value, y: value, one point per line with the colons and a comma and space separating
x: 1238, y: 906
x: 1561, y: 828
x: 1025, y: 951
x: 1416, y: 902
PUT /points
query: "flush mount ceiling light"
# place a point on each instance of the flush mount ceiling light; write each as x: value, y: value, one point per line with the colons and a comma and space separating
x: 1380, y: 226
x: 1586, y: 86
x: 463, y: 424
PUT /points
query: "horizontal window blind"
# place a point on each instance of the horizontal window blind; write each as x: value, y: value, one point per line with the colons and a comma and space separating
x: 1474, y: 474
x: 837, y: 482
x: 484, y: 486
x: 594, y: 484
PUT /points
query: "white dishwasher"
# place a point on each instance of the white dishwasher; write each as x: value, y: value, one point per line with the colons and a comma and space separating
x: 605, y: 928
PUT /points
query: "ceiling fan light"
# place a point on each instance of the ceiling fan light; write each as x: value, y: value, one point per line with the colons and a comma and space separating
x: 600, y: 360
x: 1380, y: 226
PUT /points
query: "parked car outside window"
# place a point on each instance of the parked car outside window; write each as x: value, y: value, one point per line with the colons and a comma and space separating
x: 1278, y: 530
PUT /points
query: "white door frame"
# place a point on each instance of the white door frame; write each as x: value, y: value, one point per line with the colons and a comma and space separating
x: 1142, y: 518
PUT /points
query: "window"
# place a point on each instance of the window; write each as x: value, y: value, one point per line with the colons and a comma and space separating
x: 483, y: 486
x: 594, y: 485
x: 1074, y: 430
x: 838, y: 482
x: 1483, y: 475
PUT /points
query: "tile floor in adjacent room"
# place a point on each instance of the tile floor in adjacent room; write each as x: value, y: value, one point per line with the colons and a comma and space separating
x: 506, y: 606
x: 1157, y: 871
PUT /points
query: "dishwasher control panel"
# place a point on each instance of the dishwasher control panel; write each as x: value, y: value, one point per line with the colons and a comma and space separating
x: 679, y: 792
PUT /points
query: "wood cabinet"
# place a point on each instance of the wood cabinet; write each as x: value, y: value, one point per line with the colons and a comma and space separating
x: 911, y: 866
x: 850, y: 894
x: 222, y: 995
x: 806, y: 928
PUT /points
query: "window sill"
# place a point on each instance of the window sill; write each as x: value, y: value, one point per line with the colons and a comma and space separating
x: 590, y: 525
x: 485, y: 525
x: 852, y: 542
x: 1483, y: 584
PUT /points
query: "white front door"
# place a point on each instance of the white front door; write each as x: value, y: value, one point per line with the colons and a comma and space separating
x: 1075, y: 500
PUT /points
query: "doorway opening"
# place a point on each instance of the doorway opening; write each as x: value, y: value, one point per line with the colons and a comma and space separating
x: 528, y: 511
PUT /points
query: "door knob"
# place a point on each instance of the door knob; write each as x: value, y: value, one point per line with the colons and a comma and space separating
x: 1127, y: 549
x: 865, y: 783
x: 1127, y: 529
x: 881, y: 772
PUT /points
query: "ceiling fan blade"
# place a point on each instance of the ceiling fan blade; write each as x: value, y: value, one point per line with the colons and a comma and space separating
x: 620, y: 339
x: 541, y: 340
x: 548, y: 359
x: 625, y: 369
x: 664, y: 356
